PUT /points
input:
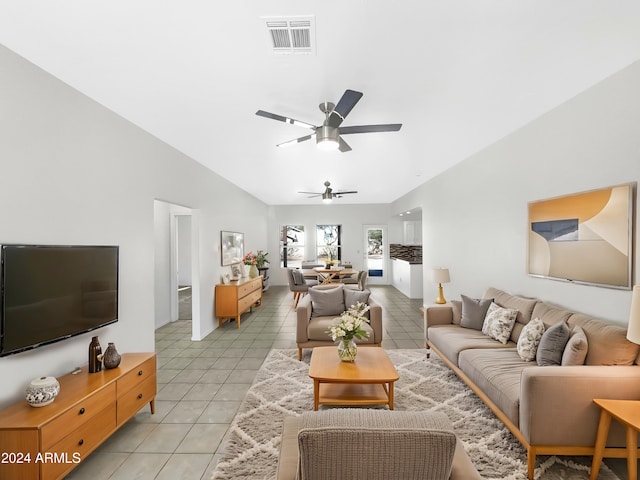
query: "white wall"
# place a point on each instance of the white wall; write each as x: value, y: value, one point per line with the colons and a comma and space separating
x: 351, y: 217
x: 75, y: 173
x: 475, y: 215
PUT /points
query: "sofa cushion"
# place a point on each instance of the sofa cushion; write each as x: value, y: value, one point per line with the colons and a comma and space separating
x: 523, y: 305
x: 318, y: 329
x: 473, y: 312
x: 530, y: 339
x: 608, y: 344
x: 549, y: 314
x: 351, y: 297
x: 450, y: 340
x: 575, y: 352
x: 359, y: 444
x: 552, y: 344
x: 326, y: 301
x: 499, y: 322
x: 497, y: 373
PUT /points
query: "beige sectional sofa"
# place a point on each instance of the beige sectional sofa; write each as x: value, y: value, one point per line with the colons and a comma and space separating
x: 548, y: 408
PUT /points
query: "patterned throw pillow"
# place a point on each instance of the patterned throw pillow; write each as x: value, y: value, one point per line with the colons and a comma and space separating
x: 499, y: 322
x: 529, y: 339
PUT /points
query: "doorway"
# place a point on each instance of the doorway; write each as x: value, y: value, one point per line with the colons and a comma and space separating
x: 375, y: 253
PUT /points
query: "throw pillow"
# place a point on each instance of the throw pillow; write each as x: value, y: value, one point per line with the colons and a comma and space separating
x: 552, y: 344
x: 325, y: 302
x: 575, y: 352
x: 351, y: 297
x: 474, y: 310
x: 298, y: 277
x: 499, y: 322
x: 529, y: 339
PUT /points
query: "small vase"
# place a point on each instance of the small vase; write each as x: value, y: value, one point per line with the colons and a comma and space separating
x: 347, y: 349
x: 111, y: 357
x: 95, y: 365
x: 253, y: 271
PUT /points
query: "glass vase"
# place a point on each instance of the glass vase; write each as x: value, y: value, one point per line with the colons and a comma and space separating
x: 347, y: 349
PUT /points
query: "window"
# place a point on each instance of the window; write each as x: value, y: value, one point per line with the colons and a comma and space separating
x: 329, y: 242
x: 291, y: 245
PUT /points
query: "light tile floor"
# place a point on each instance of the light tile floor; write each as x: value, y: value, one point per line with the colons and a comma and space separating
x: 201, y: 385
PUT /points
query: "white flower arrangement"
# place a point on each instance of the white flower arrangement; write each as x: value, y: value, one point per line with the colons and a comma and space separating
x: 350, y: 325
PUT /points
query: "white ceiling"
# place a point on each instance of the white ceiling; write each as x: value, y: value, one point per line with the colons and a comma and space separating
x: 459, y: 75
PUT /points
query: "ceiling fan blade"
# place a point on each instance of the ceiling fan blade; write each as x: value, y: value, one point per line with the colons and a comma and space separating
x: 295, y: 141
x: 280, y: 118
x: 344, y: 106
x: 312, y: 193
x: 344, y: 146
x: 389, y: 127
x: 345, y: 193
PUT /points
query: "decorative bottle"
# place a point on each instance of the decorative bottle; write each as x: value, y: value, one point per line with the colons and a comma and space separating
x: 95, y: 365
x: 111, y: 357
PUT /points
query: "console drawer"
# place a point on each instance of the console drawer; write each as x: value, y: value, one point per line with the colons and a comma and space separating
x: 248, y: 287
x: 137, y: 376
x: 130, y: 402
x: 77, y: 445
x: 76, y: 416
x: 248, y: 301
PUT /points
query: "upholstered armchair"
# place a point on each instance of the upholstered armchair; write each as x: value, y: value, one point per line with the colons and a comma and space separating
x: 372, y: 444
x: 320, y: 309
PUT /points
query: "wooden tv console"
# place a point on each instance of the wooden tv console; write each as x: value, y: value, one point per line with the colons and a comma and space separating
x: 47, y: 442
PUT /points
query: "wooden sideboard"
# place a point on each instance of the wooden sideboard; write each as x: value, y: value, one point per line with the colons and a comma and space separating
x: 46, y: 443
x: 234, y: 299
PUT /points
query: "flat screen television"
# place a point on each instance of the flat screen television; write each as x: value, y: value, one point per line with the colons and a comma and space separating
x: 50, y: 293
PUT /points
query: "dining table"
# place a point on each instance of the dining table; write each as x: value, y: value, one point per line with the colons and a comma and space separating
x: 333, y: 274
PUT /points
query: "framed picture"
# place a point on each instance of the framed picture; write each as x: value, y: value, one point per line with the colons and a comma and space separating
x: 584, y: 237
x: 231, y: 247
x: 235, y: 270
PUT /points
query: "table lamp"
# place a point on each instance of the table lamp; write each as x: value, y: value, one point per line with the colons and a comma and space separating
x: 633, y: 330
x: 440, y: 276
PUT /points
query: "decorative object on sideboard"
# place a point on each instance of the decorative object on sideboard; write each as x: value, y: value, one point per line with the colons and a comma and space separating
x: 440, y: 276
x: 633, y: 330
x: 111, y: 357
x: 95, y: 365
x: 42, y: 391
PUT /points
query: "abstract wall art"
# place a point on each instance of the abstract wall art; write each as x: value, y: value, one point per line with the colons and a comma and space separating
x: 584, y: 237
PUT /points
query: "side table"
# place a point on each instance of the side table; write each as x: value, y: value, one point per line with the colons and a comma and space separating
x: 627, y: 412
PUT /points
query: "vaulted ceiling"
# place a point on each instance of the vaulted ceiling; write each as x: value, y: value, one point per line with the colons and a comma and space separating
x: 459, y: 75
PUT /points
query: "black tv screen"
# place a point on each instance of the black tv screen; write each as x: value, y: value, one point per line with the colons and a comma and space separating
x: 50, y: 293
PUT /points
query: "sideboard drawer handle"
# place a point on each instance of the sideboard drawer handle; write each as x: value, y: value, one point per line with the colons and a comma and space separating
x: 82, y: 411
x: 139, y: 396
x: 140, y: 373
x: 81, y: 442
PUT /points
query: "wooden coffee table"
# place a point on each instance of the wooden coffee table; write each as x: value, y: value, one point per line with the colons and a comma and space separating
x: 367, y: 381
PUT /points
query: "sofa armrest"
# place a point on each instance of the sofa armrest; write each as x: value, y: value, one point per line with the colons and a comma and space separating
x: 375, y: 320
x: 436, y: 315
x: 303, y: 312
x: 556, y: 403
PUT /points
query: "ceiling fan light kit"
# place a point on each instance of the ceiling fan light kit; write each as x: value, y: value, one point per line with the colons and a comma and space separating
x: 328, y: 134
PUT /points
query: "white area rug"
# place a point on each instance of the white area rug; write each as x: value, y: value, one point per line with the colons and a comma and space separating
x: 282, y: 387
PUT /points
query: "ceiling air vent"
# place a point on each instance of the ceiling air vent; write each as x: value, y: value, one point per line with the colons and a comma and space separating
x: 291, y: 34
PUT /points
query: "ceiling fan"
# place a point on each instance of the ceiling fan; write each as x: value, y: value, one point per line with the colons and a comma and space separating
x: 329, y: 134
x: 328, y: 193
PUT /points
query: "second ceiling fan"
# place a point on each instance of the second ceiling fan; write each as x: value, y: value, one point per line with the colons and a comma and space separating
x: 329, y: 134
x: 328, y: 193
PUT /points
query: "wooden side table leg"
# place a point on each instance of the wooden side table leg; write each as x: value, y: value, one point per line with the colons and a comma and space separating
x: 390, y: 395
x: 316, y: 394
x: 601, y: 441
x: 632, y: 453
